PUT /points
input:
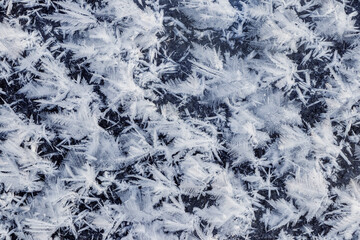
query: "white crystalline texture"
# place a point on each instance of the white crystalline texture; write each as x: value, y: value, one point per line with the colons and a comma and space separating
x: 213, y: 14
x: 179, y: 119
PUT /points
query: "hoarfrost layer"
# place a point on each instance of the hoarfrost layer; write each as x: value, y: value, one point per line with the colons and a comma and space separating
x: 179, y: 119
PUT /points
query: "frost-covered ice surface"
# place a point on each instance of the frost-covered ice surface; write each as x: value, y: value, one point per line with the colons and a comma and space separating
x: 179, y: 119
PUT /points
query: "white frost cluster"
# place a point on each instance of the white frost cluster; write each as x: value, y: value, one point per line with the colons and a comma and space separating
x: 179, y: 119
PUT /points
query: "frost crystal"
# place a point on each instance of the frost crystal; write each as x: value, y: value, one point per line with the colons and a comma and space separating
x: 179, y: 119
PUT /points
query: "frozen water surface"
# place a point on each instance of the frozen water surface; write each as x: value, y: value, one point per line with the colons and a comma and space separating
x: 179, y: 119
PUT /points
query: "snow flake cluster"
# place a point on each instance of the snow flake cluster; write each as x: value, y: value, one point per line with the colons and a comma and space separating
x: 179, y: 119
